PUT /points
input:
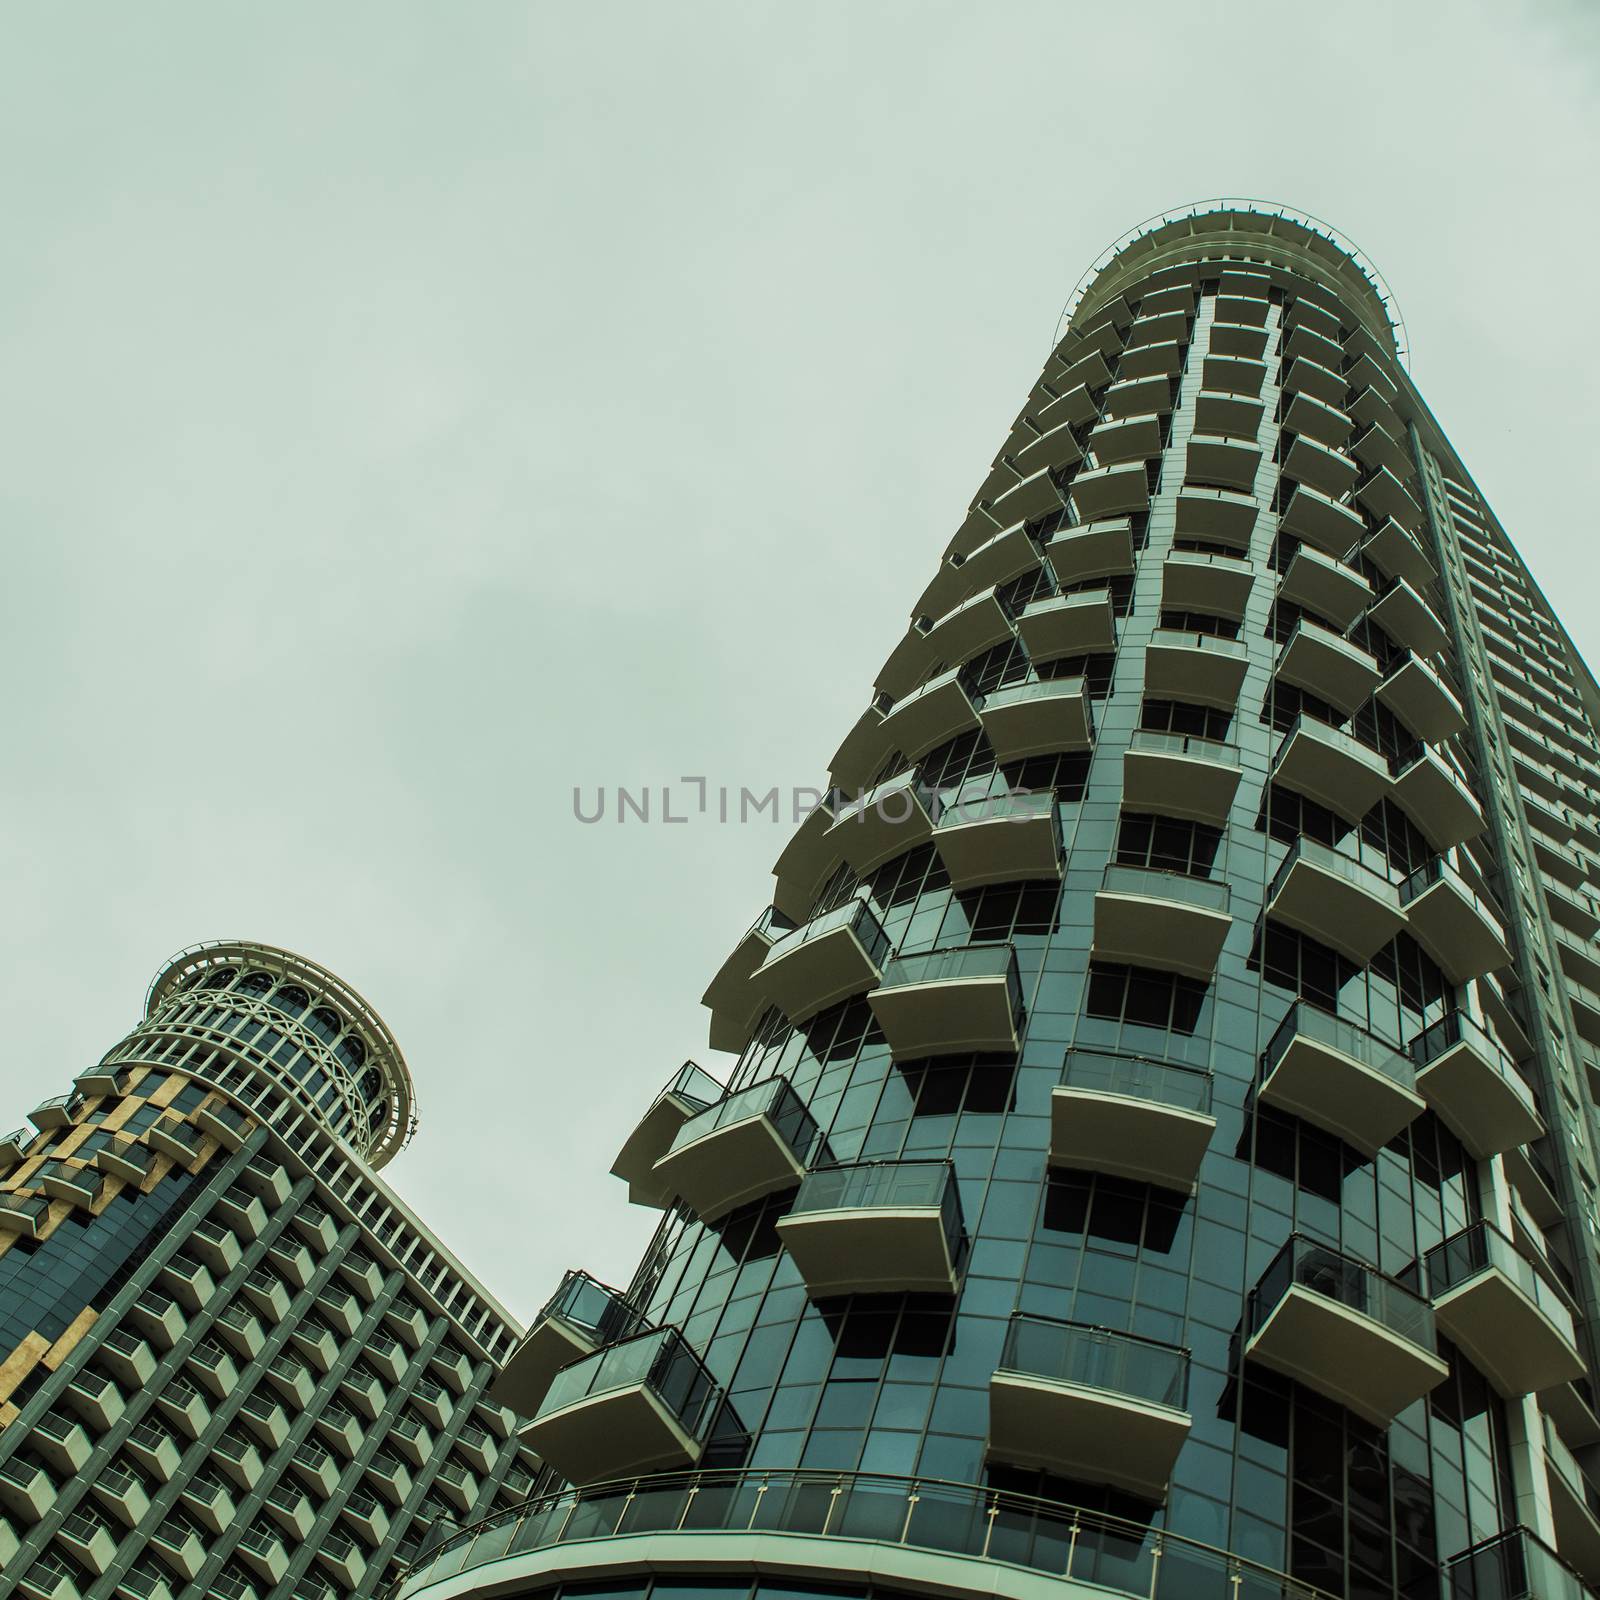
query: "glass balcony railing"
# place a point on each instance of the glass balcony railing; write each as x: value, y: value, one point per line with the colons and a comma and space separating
x: 23, y: 1211
x: 1456, y: 1027
x: 772, y: 1098
x: 1017, y: 1531
x: 1515, y: 1565
x: 953, y: 965
x: 660, y: 1362
x: 886, y: 1185
x: 1210, y: 644
x: 1438, y: 870
x: 1348, y: 1282
x: 1019, y: 806
x: 856, y: 915
x: 1309, y: 1022
x: 1479, y: 1248
x: 1327, y: 859
x: 1166, y: 1083
x: 599, y: 1310
x: 1097, y: 1358
x: 1151, y: 742
x: 1156, y: 883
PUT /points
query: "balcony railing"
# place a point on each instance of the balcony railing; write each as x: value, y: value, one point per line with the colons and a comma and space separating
x: 1017, y: 1531
x: 751, y: 1143
x: 1465, y: 1074
x: 877, y: 1227
x: 591, y: 1418
x: 1515, y: 1565
x: 1343, y: 1328
x: 943, y: 1002
x: 1097, y: 1358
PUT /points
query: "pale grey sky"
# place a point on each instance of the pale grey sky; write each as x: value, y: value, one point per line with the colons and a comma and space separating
x: 414, y: 411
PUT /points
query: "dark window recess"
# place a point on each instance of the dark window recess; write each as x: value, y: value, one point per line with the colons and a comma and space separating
x: 1285, y: 702
x: 1177, y: 716
x: 1200, y: 622
x: 1168, y: 844
x: 1138, y: 997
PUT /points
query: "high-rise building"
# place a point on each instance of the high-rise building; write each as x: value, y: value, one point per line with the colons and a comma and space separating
x: 1160, y: 1151
x: 232, y: 1362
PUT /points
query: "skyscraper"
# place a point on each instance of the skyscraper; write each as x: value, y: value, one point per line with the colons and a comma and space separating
x: 232, y: 1362
x: 1158, y: 1154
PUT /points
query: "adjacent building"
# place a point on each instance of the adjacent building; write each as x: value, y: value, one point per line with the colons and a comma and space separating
x: 232, y: 1362
x: 1156, y: 1146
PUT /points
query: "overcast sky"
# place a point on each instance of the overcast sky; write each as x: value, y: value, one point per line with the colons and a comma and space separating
x: 412, y: 412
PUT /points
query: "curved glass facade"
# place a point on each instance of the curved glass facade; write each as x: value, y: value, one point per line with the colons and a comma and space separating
x: 1179, y: 1036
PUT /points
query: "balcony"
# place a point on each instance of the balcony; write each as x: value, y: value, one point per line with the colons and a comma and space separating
x: 582, y: 1316
x: 1472, y: 1085
x: 877, y: 1227
x: 1130, y: 396
x: 1039, y: 717
x: 947, y: 1002
x: 1197, y: 580
x: 976, y: 625
x: 1232, y: 374
x: 1317, y: 659
x: 1342, y: 1328
x: 1385, y: 496
x: 1329, y: 472
x: 1163, y: 359
x: 14, y: 1147
x: 62, y: 1442
x: 158, y: 1317
x: 1223, y: 463
x: 1197, y: 668
x: 1437, y: 799
x: 1516, y: 1565
x: 1339, y: 1078
x: 1057, y: 447
x: 229, y: 1126
x: 208, y: 1499
x: 1134, y: 437
x: 1505, y: 1313
x: 1396, y: 554
x: 1312, y: 418
x: 864, y: 748
x: 1325, y: 587
x: 175, y: 1138
x: 1146, y: 917
x: 81, y: 1186
x: 1307, y: 375
x: 1104, y: 492
x: 999, y: 838
x: 1130, y: 1116
x: 750, y: 1144
x: 1418, y: 696
x: 824, y: 961
x: 1322, y: 521
x: 645, y: 1405
x: 733, y: 999
x: 1456, y: 926
x: 267, y: 1180
x: 1027, y: 500
x: 60, y: 1111
x: 1179, y: 775
x: 1090, y: 370
x: 25, y: 1214
x: 1220, y: 516
x: 1160, y: 327
x: 26, y: 1489
x: 1332, y: 767
x: 1005, y: 554
x: 1238, y: 339
x: 88, y: 1539
x: 1238, y: 416
x: 1095, y: 550
x: 1408, y: 619
x: 689, y: 1092
x: 96, y: 1400
x: 124, y: 1159
x: 129, y: 1357
x: 1068, y: 625
x: 932, y: 715
x: 888, y: 820
x: 1574, y: 1506
x: 1088, y: 1403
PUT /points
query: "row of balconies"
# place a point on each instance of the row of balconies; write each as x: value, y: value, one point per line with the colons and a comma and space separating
x: 1087, y: 1402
